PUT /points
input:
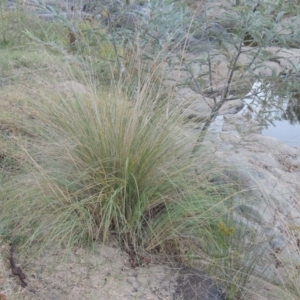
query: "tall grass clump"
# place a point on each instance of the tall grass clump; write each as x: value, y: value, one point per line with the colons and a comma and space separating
x: 106, y: 165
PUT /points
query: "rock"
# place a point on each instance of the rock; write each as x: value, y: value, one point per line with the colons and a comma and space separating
x: 194, y: 284
x: 231, y: 107
x: 195, y: 45
x: 194, y: 105
x: 241, y: 124
x: 269, y: 172
x: 250, y: 213
x: 203, y: 40
x: 177, y: 75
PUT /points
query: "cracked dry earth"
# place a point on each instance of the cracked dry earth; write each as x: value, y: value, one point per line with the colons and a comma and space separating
x: 104, y: 273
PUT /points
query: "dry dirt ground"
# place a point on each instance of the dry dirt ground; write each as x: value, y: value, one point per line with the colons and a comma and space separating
x: 103, y: 273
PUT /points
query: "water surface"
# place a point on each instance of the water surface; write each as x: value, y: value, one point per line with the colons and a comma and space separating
x: 279, y: 116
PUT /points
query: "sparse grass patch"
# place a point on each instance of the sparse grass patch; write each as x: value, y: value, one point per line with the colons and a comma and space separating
x: 14, y: 26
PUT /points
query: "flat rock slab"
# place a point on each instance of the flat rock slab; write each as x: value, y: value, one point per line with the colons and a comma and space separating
x: 194, y: 284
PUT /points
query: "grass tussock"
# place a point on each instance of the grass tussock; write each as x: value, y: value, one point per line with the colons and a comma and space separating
x: 106, y: 165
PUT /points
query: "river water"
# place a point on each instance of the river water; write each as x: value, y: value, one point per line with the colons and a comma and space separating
x: 279, y: 116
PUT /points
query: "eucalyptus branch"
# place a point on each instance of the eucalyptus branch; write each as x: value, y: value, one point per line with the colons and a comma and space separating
x: 233, y: 68
x: 210, y: 74
x: 219, y: 104
x: 252, y: 62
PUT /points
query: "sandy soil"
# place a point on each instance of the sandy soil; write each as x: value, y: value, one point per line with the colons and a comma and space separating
x: 104, y: 273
